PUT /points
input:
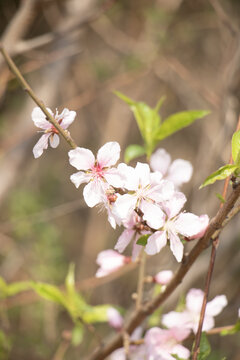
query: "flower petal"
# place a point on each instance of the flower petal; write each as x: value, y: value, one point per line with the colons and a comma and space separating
x: 39, y: 118
x: 180, y: 351
x: 163, y: 277
x: 174, y: 204
x: 156, y: 242
x: 41, y: 145
x: 123, y: 205
x: 152, y: 213
x: 194, y: 300
x: 67, y: 118
x: 188, y: 224
x: 143, y: 174
x: 54, y: 140
x: 203, y: 223
x: 81, y: 158
x: 80, y: 178
x: 124, y: 239
x: 176, y: 246
x: 160, y: 161
x: 108, y: 154
x: 180, y: 172
x: 114, y: 177
x: 115, y: 319
x: 93, y: 193
x: 215, y: 306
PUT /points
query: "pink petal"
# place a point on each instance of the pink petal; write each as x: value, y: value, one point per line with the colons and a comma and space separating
x: 124, y: 239
x: 163, y: 277
x: 203, y: 223
x: 162, y: 192
x: 81, y: 158
x: 41, y: 145
x: 176, y: 246
x: 115, y: 319
x: 109, y: 259
x: 136, y: 249
x: 188, y: 224
x: 131, y: 181
x: 123, y: 205
x: 181, y: 351
x: 156, y: 242
x: 208, y: 324
x: 160, y: 161
x: 175, y: 319
x: 114, y: 177
x: 54, y: 140
x: 180, y: 172
x: 93, y: 193
x: 180, y: 333
x: 174, y: 204
x: 108, y: 154
x: 154, y: 216
x: 143, y: 173
x: 194, y: 300
x: 39, y: 118
x: 80, y: 178
x: 215, y: 306
x: 67, y: 118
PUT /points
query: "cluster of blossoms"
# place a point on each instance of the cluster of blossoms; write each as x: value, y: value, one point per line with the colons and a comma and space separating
x: 162, y: 344
x: 145, y: 202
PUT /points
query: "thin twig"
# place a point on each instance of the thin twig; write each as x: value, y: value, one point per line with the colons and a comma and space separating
x: 215, y: 244
x: 65, y: 134
x: 141, y: 279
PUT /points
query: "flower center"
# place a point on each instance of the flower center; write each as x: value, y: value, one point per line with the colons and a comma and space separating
x: 97, y: 171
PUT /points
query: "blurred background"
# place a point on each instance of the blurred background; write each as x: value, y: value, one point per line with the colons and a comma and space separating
x: 75, y: 53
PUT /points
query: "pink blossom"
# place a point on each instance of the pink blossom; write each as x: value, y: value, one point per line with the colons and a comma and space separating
x: 189, y: 318
x: 110, y: 261
x: 50, y: 135
x: 179, y: 172
x: 147, y: 192
x: 161, y: 344
x: 98, y: 173
x: 163, y: 277
x: 185, y: 224
x: 204, y: 220
x: 115, y: 319
x: 133, y: 231
x: 136, y: 352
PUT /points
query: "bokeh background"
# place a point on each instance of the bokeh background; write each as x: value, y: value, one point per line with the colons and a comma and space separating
x: 74, y: 53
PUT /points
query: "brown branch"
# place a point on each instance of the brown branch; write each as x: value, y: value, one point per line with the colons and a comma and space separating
x: 215, y: 244
x: 148, y: 308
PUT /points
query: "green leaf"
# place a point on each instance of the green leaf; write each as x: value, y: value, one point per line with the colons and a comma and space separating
x: 133, y: 151
x: 70, y: 281
x: 96, y: 314
x: 143, y: 240
x: 159, y: 103
x: 13, y: 288
x: 50, y: 292
x: 236, y: 147
x: 77, y: 335
x: 154, y: 319
x: 204, y: 347
x: 177, y: 122
x: 221, y: 198
x: 231, y: 331
x: 148, y: 120
x: 222, y: 173
x: 176, y: 357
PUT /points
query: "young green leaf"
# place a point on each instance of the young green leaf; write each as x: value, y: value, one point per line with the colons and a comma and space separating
x: 49, y: 292
x: 13, y: 288
x: 77, y: 334
x: 70, y: 281
x: 178, y: 121
x: 221, y: 198
x: 236, y: 147
x: 222, y: 173
x: 96, y: 314
x: 132, y: 152
x: 204, y: 347
x: 233, y: 330
x: 143, y: 240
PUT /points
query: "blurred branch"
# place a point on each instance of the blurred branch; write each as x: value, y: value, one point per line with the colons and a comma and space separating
x: 224, y: 17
